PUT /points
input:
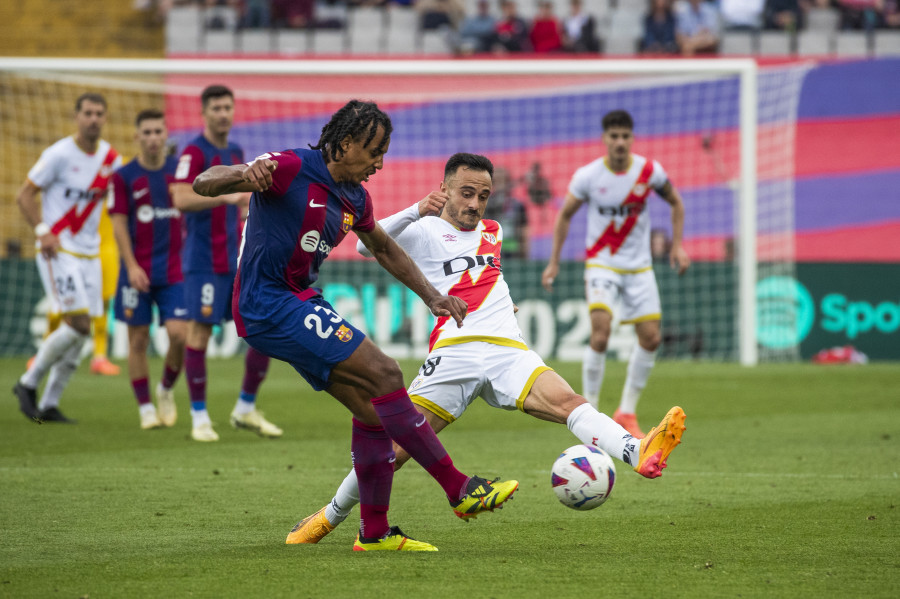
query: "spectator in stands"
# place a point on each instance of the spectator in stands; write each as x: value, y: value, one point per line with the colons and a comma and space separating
x: 510, y: 213
x: 659, y: 29
x: 864, y: 14
x: 786, y: 15
x: 293, y: 14
x: 221, y: 14
x: 580, y: 30
x: 538, y: 185
x: 476, y: 33
x: 511, y: 31
x: 255, y: 14
x: 697, y: 27
x: 435, y: 14
x: 742, y: 15
x: 546, y: 30
x: 330, y: 14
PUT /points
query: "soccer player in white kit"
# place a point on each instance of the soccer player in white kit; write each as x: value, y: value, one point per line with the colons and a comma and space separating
x: 72, y: 176
x: 618, y: 263
x: 459, y: 253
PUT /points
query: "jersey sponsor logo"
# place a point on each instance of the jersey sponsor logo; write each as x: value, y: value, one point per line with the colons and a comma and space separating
x: 145, y: 214
x: 310, y: 240
x: 91, y: 195
x: 622, y: 210
x: 614, y: 236
x: 348, y: 222
x: 464, y: 263
x: 343, y: 333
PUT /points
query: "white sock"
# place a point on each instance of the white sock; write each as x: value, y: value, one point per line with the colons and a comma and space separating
x: 592, y: 366
x: 50, y: 352
x: 244, y: 407
x: 147, y: 408
x: 60, y: 374
x: 199, y: 417
x: 597, y: 429
x: 346, y: 497
x: 639, y: 366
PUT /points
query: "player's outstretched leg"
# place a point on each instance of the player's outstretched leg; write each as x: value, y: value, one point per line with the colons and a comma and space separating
x: 659, y: 443
x: 393, y: 540
x: 483, y: 495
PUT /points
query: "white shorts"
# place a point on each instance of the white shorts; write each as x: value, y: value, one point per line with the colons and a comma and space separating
x: 453, y: 376
x: 73, y: 284
x: 636, y: 293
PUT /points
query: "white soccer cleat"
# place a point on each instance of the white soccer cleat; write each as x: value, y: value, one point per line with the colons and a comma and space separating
x: 150, y: 420
x: 165, y: 403
x: 204, y: 432
x: 256, y: 422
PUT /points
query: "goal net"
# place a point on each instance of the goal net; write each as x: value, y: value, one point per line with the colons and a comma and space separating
x: 722, y: 129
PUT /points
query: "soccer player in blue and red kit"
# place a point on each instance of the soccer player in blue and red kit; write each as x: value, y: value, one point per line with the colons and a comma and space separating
x: 147, y: 228
x: 305, y: 203
x: 213, y: 230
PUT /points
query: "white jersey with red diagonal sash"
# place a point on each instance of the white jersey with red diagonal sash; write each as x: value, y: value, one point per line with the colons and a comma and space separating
x: 73, y: 188
x: 465, y: 263
x: 618, y: 230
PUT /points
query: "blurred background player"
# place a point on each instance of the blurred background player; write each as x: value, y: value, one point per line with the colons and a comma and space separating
x: 212, y: 237
x: 72, y: 176
x: 487, y: 357
x: 301, y: 211
x: 618, y: 264
x: 148, y: 232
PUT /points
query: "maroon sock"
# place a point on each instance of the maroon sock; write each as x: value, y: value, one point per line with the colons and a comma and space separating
x: 256, y: 365
x: 141, y: 390
x: 372, y: 455
x: 169, y: 376
x: 410, y: 430
x: 195, y: 373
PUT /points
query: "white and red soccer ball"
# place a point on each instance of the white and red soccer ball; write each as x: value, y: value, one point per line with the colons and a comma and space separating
x: 583, y: 477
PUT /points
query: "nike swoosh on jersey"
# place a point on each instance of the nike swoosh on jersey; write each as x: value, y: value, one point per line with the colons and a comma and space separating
x: 312, y: 204
x: 141, y: 193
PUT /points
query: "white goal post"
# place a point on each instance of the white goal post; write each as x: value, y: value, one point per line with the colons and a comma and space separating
x: 733, y: 166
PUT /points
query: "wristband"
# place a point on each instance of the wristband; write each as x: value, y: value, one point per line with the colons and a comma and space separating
x: 41, y: 229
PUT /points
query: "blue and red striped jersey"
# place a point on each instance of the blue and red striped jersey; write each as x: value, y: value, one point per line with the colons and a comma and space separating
x: 211, y: 236
x: 291, y: 229
x: 153, y: 222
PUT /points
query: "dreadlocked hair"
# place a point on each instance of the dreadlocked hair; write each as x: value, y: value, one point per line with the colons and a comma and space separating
x: 359, y: 120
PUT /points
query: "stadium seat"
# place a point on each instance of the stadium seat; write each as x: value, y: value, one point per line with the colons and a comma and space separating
x: 741, y: 43
x: 403, y: 31
x: 292, y: 41
x: 775, y: 43
x: 329, y: 41
x: 887, y: 43
x: 366, y: 28
x: 435, y: 42
x: 183, y: 29
x: 256, y: 41
x: 822, y: 19
x: 853, y: 43
x: 814, y: 43
x: 624, y: 29
x: 219, y: 41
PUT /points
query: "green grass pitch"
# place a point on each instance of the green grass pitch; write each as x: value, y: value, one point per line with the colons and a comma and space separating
x: 786, y: 485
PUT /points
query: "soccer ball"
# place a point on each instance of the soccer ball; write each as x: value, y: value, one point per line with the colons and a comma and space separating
x: 583, y: 477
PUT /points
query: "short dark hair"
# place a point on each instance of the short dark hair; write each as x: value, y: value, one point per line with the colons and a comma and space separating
x: 617, y: 118
x: 359, y: 120
x: 214, y: 91
x: 148, y: 114
x: 476, y: 162
x: 90, y: 97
